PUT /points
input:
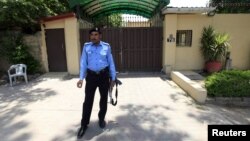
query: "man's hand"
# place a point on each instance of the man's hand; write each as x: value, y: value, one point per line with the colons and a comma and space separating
x: 79, y: 84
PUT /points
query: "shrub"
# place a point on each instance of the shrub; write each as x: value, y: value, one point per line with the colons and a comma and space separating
x: 16, y: 51
x: 214, y: 45
x: 233, y: 83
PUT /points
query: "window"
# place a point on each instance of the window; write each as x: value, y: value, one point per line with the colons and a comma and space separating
x: 184, y: 38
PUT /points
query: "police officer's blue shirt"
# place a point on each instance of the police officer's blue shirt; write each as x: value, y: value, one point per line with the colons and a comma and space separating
x: 96, y: 58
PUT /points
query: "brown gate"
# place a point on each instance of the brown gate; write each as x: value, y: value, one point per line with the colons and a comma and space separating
x: 134, y: 49
x: 55, y: 43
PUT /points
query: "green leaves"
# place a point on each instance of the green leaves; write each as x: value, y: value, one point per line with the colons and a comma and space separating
x: 222, y: 45
x: 114, y: 20
x: 234, y: 83
x: 231, y: 6
x: 25, y: 14
x: 208, y: 43
x: 16, y: 51
x: 214, y: 46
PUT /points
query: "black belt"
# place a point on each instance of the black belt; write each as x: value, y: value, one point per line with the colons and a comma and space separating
x: 102, y: 71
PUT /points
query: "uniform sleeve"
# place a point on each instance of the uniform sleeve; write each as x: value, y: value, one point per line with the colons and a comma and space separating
x: 83, y: 64
x: 111, y: 64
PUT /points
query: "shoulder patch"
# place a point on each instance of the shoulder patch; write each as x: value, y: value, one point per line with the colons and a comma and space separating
x: 105, y: 43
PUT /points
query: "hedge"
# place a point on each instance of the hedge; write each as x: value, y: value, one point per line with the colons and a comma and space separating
x: 233, y: 83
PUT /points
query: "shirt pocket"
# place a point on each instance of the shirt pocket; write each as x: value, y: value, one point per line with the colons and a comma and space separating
x: 103, y: 53
x: 89, y: 54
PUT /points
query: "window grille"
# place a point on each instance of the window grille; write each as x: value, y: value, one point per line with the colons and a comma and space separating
x: 184, y: 38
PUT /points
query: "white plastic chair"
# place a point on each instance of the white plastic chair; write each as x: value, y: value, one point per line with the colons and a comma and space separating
x: 19, y: 70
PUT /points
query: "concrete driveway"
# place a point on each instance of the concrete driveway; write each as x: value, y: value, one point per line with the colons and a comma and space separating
x: 150, y: 108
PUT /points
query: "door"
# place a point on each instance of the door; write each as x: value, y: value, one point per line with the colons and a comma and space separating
x: 55, y: 43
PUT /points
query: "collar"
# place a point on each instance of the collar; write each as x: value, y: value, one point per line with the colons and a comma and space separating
x: 101, y: 43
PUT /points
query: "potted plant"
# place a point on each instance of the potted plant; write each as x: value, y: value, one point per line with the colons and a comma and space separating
x: 214, y: 47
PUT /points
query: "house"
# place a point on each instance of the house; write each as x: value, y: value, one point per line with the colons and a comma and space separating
x: 185, y: 26
x: 179, y: 49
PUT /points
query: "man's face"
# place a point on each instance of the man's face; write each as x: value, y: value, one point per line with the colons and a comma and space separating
x: 95, y: 37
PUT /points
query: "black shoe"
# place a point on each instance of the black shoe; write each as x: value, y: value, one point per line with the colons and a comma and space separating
x: 102, y: 123
x: 81, y: 132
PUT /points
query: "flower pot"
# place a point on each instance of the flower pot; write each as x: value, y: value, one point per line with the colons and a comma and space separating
x: 213, y: 66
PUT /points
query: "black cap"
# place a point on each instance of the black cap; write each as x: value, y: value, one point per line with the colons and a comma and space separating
x: 95, y: 29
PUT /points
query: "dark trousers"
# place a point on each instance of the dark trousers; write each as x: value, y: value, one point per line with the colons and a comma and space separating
x: 93, y: 81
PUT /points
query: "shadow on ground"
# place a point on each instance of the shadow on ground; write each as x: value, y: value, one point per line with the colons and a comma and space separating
x: 13, y: 101
x: 214, y: 114
x: 138, y: 123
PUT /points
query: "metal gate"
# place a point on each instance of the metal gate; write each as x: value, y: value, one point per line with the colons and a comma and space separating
x: 55, y: 43
x: 134, y: 49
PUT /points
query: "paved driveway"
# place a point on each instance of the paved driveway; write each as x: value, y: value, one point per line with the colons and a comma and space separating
x: 150, y: 108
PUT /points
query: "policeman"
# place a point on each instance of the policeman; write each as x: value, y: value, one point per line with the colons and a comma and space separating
x: 98, y: 69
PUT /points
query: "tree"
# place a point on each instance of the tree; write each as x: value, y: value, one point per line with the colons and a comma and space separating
x: 231, y: 6
x: 114, y: 20
x: 25, y: 14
